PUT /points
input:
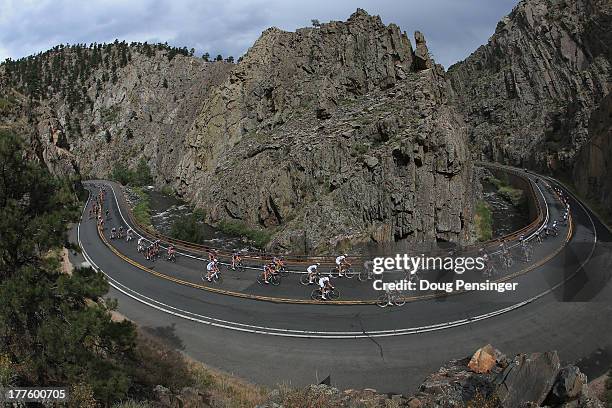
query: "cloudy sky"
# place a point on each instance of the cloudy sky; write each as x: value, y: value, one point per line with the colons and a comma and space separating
x: 453, y: 28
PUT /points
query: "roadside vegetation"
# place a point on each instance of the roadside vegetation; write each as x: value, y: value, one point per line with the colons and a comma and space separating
x: 142, y: 209
x: 259, y: 237
x: 513, y: 195
x: 140, y: 176
x: 189, y: 227
x: 55, y: 327
x: 483, y: 219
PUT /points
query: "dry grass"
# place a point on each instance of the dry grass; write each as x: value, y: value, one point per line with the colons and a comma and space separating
x: 227, y: 391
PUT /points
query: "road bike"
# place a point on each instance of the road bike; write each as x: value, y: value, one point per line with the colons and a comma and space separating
x: 215, y: 277
x: 526, y: 252
x: 274, y: 279
x: 171, y: 257
x: 506, y: 260
x: 391, y: 298
x: 365, y: 275
x: 489, y: 270
x: 238, y: 267
x: 305, y: 279
x: 332, y: 294
x: 334, y: 272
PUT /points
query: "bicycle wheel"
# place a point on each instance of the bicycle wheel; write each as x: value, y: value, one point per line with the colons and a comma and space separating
x: 316, y: 295
x: 398, y: 300
x: 283, y: 272
x: 333, y: 272
x: 260, y: 279
x: 334, y: 294
x: 305, y: 280
x: 349, y: 273
x: 382, y: 301
x: 363, y: 276
x: 217, y: 278
x: 275, y: 280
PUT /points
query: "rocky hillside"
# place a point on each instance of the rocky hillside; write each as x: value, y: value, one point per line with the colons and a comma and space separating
x: 335, y: 134
x: 326, y: 136
x: 488, y: 379
x: 529, y: 94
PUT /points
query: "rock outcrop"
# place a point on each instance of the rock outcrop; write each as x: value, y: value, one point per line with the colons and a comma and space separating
x: 528, y: 95
x: 283, y: 142
x: 527, y: 380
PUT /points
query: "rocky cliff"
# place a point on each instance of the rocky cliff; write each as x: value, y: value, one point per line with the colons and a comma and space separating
x: 336, y: 134
x: 529, y: 93
x: 327, y: 136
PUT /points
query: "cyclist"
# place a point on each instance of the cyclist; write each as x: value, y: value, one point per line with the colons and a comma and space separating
x: 342, y: 264
x: 129, y: 235
x: 171, y: 253
x: 141, y: 244
x: 488, y: 266
x: 113, y: 233
x: 212, y: 255
x: 555, y: 227
x: 279, y: 263
x: 312, y: 272
x: 235, y: 260
x: 211, y: 268
x: 269, y: 269
x: 107, y: 214
x: 325, y: 286
x: 121, y: 231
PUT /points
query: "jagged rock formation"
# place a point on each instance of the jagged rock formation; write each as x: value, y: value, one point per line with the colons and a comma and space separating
x: 534, y: 380
x: 528, y: 94
x: 283, y: 142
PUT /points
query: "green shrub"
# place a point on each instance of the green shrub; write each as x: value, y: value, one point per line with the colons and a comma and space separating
x: 484, y: 221
x: 122, y: 174
x: 259, y: 237
x: 188, y: 228
x: 142, y: 210
x: 141, y: 176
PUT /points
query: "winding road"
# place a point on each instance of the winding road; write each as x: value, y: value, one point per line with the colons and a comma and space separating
x: 274, y: 335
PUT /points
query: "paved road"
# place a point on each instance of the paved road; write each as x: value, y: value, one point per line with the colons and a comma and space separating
x: 362, y: 345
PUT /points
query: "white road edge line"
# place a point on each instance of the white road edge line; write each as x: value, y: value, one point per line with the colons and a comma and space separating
x: 310, y: 334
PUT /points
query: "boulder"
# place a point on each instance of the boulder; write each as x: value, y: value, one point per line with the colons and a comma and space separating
x: 528, y: 378
x: 483, y: 360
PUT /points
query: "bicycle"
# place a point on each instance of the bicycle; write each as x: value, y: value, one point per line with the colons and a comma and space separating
x: 334, y: 272
x: 332, y: 294
x: 365, y: 275
x: 171, y: 257
x: 274, y: 279
x: 305, y: 279
x: 237, y: 266
x: 506, y: 260
x: 215, y: 277
x: 526, y: 252
x: 391, y: 298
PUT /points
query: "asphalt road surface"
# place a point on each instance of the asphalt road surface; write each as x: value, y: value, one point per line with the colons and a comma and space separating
x: 562, y: 302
